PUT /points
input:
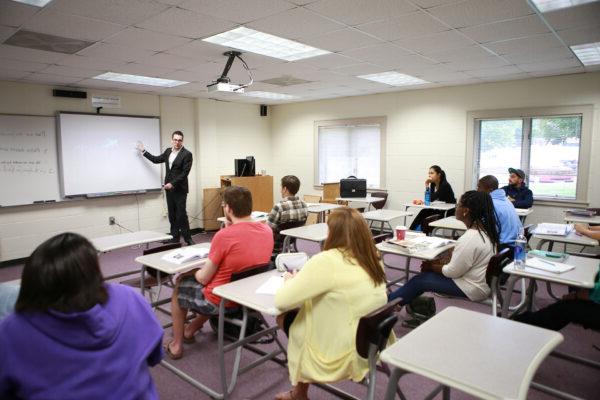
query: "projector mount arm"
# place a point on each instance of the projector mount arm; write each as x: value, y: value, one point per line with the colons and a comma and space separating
x: 231, y: 57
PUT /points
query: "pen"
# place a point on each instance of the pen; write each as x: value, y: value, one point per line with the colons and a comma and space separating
x: 286, y: 267
x: 548, y: 262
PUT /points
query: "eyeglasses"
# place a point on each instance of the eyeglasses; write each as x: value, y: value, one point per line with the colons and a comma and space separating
x: 177, y: 140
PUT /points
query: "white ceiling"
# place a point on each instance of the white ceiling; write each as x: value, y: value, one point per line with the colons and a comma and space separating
x: 446, y: 42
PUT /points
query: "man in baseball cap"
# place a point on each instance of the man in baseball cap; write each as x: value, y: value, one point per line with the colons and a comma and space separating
x: 516, y: 190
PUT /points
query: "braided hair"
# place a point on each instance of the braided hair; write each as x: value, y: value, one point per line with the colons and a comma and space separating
x: 483, y: 216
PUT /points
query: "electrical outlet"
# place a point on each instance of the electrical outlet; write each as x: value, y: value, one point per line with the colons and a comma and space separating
x: 111, y: 220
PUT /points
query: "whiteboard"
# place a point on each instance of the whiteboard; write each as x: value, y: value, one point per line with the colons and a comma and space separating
x: 98, y: 154
x: 28, y: 162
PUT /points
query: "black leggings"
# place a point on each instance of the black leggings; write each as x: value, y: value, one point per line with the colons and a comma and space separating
x: 558, y: 315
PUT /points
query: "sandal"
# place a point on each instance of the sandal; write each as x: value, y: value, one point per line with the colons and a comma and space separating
x: 189, y: 340
x: 172, y: 356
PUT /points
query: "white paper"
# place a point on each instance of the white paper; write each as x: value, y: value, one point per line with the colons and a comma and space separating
x: 258, y: 214
x: 185, y: 254
x: 557, y: 268
x: 553, y: 229
x: 422, y: 243
x: 271, y: 285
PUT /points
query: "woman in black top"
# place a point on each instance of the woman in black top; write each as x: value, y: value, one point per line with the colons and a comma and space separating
x: 440, y: 190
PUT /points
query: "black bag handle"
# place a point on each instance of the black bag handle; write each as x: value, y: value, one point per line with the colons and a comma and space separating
x: 351, y: 177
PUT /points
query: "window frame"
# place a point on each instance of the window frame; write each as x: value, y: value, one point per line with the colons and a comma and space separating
x: 380, y: 120
x: 585, y: 144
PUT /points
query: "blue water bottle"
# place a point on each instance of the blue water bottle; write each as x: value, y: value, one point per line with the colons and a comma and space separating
x: 427, y: 196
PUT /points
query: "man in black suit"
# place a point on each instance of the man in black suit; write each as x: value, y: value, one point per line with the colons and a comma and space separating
x: 178, y: 161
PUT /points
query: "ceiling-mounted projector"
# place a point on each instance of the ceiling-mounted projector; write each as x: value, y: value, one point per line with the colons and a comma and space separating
x: 222, y: 84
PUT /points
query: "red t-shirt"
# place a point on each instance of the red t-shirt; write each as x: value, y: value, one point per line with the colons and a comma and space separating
x: 236, y: 248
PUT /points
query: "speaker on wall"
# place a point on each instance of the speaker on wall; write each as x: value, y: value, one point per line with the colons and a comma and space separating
x: 263, y: 110
x: 74, y: 94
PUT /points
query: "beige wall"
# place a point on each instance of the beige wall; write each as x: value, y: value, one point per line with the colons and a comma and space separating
x: 426, y: 127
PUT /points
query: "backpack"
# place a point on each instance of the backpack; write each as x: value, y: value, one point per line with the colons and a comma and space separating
x: 420, y: 309
x: 232, y: 332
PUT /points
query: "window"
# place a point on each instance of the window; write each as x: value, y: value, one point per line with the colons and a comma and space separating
x: 551, y: 146
x: 350, y: 147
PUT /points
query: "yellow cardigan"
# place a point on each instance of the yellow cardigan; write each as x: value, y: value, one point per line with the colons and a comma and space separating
x: 333, y: 293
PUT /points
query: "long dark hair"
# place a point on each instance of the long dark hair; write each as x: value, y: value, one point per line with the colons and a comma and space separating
x: 62, y: 274
x: 438, y: 170
x: 348, y: 232
x: 483, y: 217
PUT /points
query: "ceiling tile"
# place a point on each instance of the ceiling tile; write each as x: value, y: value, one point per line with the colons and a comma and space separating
x: 71, y: 26
x: 113, y: 51
x: 99, y: 63
x: 71, y: 71
x: 575, y: 17
x: 328, y: 61
x: 476, y: 62
x: 341, y: 40
x: 295, y: 24
x: 404, y: 26
x: 359, y: 69
x: 550, y: 65
x: 146, y: 39
x: 556, y: 53
x: 589, y: 34
x: 15, y: 14
x: 12, y: 74
x: 124, y: 12
x: 6, y: 32
x: 190, y: 24
x: 493, y: 72
x: 167, y: 61
x: 433, y: 3
x: 475, y: 12
x: 237, y: 11
x: 443, y: 76
x: 51, y: 79
x: 560, y: 71
x: 531, y: 44
x: 199, y: 50
x: 460, y: 54
x: 508, y: 77
x: 29, y: 66
x: 105, y: 85
x: 203, y: 73
x: 356, y: 12
x: 22, y: 53
x: 519, y: 27
x: 439, y: 42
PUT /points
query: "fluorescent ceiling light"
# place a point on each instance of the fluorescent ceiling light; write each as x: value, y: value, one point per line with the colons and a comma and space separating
x: 37, y: 3
x: 393, y: 78
x: 588, y: 54
x: 270, y: 95
x: 551, y: 5
x: 139, y: 79
x: 262, y: 43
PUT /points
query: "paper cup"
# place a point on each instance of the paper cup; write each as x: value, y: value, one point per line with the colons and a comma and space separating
x: 400, y: 232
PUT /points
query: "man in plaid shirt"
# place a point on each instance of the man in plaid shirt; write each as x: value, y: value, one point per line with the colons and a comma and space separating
x: 289, y: 209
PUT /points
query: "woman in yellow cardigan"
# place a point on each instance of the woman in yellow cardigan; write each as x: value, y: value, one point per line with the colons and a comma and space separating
x: 334, y: 289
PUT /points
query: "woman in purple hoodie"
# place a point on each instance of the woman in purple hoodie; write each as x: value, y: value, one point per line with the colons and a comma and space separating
x: 74, y: 337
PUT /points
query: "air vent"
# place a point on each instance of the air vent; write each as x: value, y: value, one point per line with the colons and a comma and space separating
x: 286, y: 80
x: 41, y: 41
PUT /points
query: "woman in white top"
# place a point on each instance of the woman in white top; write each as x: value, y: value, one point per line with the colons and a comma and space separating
x: 464, y: 274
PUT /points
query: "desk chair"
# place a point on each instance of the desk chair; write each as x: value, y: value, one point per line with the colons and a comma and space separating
x: 311, y: 198
x: 492, y: 277
x: 372, y: 337
x: 425, y: 228
x: 278, y: 239
x: 378, y: 205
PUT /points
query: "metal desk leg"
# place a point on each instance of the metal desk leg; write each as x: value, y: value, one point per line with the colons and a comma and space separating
x: 390, y: 392
x: 286, y: 244
x: 510, y: 285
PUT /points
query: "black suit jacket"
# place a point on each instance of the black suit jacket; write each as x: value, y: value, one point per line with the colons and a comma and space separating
x: 178, y: 172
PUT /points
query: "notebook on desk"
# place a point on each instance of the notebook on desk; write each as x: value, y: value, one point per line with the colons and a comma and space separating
x: 548, y: 266
x: 553, y: 229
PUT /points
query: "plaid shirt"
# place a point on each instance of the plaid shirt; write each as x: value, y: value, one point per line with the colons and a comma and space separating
x: 289, y: 209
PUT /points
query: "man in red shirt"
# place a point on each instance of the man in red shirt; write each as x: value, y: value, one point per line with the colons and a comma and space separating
x: 240, y: 245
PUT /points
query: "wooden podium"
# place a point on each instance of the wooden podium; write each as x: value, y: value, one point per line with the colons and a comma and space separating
x: 261, y: 188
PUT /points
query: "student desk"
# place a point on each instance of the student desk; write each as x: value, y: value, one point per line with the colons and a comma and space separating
x: 312, y: 233
x: 441, y: 206
x: 582, y: 277
x: 321, y: 209
x: 450, y: 223
x: 366, y: 200
x: 385, y: 217
x: 484, y: 356
x: 572, y: 238
x: 523, y: 213
x: 104, y: 244
x: 156, y: 261
x: 427, y: 255
x: 579, y: 219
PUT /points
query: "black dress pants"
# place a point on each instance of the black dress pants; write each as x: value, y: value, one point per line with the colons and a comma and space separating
x: 180, y: 225
x: 558, y: 315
